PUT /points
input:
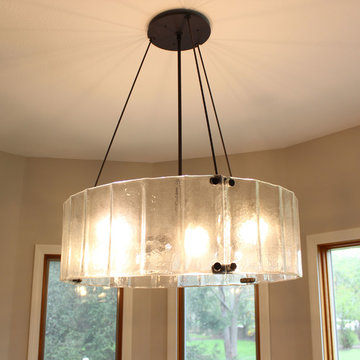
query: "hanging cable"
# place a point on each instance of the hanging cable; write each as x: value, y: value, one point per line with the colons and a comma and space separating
x: 203, y: 98
x: 215, y: 112
x: 178, y: 36
x: 121, y: 115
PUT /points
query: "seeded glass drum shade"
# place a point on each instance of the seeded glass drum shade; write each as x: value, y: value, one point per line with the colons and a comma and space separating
x: 170, y: 231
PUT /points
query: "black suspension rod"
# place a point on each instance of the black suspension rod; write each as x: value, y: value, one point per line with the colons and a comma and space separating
x: 179, y: 105
x: 203, y: 99
x: 121, y: 115
x: 215, y: 112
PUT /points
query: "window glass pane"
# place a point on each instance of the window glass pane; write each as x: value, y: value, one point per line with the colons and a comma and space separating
x: 220, y: 323
x: 80, y: 321
x: 346, y: 290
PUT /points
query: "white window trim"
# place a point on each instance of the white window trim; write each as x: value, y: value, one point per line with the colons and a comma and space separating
x: 264, y: 323
x: 313, y: 241
x: 35, y: 312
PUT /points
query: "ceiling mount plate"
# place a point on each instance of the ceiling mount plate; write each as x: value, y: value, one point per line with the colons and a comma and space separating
x: 164, y: 28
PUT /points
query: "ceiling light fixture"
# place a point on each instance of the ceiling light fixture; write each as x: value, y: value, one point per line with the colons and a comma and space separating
x: 181, y: 230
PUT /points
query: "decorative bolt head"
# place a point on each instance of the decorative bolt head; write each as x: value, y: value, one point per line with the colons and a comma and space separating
x: 247, y: 280
x: 216, y: 267
x: 216, y: 179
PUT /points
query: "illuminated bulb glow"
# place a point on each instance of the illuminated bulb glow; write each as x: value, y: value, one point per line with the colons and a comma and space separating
x: 121, y: 241
x: 196, y: 242
x: 121, y: 236
x: 248, y: 231
x: 96, y: 256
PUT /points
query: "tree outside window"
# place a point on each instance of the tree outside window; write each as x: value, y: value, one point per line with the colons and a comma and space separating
x: 78, y: 322
x: 220, y: 323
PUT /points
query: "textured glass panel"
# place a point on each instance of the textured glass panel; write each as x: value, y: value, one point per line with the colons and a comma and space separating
x: 242, y: 203
x: 77, y: 233
x: 126, y: 229
x: 65, y: 248
x: 162, y: 226
x: 297, y: 235
x: 290, y: 246
x: 170, y: 231
x: 269, y: 225
x: 98, y: 215
x: 203, y: 225
x: 80, y: 321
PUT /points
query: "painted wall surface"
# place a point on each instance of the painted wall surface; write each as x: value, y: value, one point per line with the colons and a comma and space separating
x: 11, y: 185
x: 324, y: 173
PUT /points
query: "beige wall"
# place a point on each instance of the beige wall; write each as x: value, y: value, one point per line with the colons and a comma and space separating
x: 324, y: 173
x: 11, y: 185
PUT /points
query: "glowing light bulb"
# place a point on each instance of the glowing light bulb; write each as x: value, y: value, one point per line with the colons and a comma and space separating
x: 102, y: 229
x: 248, y: 231
x: 121, y: 235
x: 121, y: 241
x: 97, y: 251
x: 196, y: 241
x: 121, y: 230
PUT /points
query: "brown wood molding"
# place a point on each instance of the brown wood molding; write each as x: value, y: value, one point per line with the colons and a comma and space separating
x: 257, y: 321
x: 119, y: 323
x: 327, y: 321
x: 340, y: 244
x: 181, y: 324
x: 326, y: 304
x: 47, y: 259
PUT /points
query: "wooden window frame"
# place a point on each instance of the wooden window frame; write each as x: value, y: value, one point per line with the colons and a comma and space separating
x: 319, y: 288
x: 43, y: 255
x: 181, y: 323
x: 327, y: 304
x: 47, y: 259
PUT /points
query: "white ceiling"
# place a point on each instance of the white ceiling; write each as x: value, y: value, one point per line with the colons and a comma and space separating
x: 282, y: 72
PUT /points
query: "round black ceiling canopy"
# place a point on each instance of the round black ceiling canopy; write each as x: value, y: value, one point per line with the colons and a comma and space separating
x: 164, y: 28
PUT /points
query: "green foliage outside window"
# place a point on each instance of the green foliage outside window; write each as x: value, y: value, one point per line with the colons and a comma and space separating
x: 220, y: 323
x: 346, y: 280
x: 80, y: 321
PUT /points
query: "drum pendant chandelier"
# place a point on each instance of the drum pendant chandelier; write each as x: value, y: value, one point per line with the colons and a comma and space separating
x: 181, y: 230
